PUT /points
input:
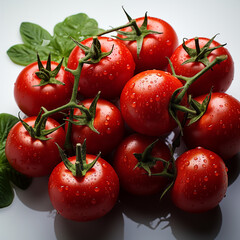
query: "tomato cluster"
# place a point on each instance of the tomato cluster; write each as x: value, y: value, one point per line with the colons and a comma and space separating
x: 140, y: 104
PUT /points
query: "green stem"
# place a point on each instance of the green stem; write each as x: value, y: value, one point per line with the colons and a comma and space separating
x: 191, y: 80
x: 197, y: 45
x: 117, y: 28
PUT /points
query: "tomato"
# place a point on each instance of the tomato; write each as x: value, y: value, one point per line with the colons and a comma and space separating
x: 219, y: 128
x: 201, y: 181
x: 109, y: 75
x: 219, y: 77
x: 155, y: 47
x: 145, y: 100
x: 30, y: 156
x: 108, y: 122
x: 30, y: 98
x: 136, y: 180
x: 84, y: 198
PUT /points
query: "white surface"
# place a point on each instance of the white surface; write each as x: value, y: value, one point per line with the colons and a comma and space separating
x: 31, y: 216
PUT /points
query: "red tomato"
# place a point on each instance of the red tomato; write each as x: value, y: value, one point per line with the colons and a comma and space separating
x: 30, y: 156
x: 201, y: 181
x: 136, y: 180
x: 109, y: 75
x: 219, y: 77
x: 84, y: 198
x: 219, y: 128
x: 31, y: 98
x: 108, y: 122
x: 145, y: 100
x: 155, y: 47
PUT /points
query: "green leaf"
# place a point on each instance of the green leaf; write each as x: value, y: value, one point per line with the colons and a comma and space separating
x: 7, y: 173
x: 6, y: 191
x: 33, y: 34
x: 38, y: 40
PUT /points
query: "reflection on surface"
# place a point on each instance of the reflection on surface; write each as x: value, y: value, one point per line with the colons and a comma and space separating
x: 110, y: 227
x: 233, y: 166
x: 36, y: 196
x: 162, y: 216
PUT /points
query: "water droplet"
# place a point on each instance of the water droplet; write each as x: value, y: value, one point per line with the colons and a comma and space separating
x: 120, y: 52
x: 210, y: 127
x: 77, y: 193
x: 205, y: 178
x: 195, y: 167
x: 104, y: 165
x: 221, y: 122
x: 105, y: 73
x: 128, y: 67
x: 96, y: 189
x: 84, y: 194
x: 66, y: 188
x: 216, y: 173
x: 195, y: 158
x: 157, y: 98
x: 108, y: 183
x: 149, y: 87
x: 223, y: 126
x: 147, y: 104
x: 106, y: 123
x: 187, y: 163
x: 134, y: 104
x: 187, y: 180
x: 20, y: 147
x: 151, y: 51
x: 168, y: 42
x: 132, y: 85
x: 211, y: 156
x: 194, y: 192
x: 125, y: 159
x: 133, y: 95
x: 204, y: 165
x: 93, y: 201
x: 110, y: 77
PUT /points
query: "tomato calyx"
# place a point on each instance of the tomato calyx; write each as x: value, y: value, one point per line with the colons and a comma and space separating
x: 47, y: 75
x: 198, y: 54
x: 147, y: 161
x: 88, y: 115
x: 138, y: 33
x: 80, y: 167
x: 177, y: 96
x: 38, y: 132
x: 94, y: 53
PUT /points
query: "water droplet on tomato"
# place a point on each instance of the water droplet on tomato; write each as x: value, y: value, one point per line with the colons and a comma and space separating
x: 210, y: 127
x: 20, y: 147
x: 168, y: 42
x: 109, y: 130
x: 110, y: 76
x: 128, y: 67
x: 221, y: 122
x: 77, y: 193
x: 205, y: 178
x: 133, y: 95
x: 195, y: 167
x: 204, y: 165
x: 105, y: 72
x: 134, y: 104
x: 187, y: 163
x: 106, y: 123
x: 157, y: 98
x: 66, y: 188
x: 96, y: 189
x: 132, y: 85
x: 187, y: 180
x: 194, y: 192
x: 104, y: 165
x: 93, y: 201
x: 150, y: 51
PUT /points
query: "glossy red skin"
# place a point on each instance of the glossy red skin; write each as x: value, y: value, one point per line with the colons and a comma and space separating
x: 136, y: 180
x: 219, y: 77
x: 30, y: 99
x: 84, y: 198
x: 219, y: 128
x: 108, y: 122
x: 109, y: 75
x: 156, y: 47
x: 201, y: 181
x: 145, y: 100
x: 30, y: 156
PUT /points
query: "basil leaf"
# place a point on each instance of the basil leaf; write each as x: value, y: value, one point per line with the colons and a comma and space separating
x: 6, y: 191
x: 7, y: 173
x: 38, y: 40
x: 33, y: 34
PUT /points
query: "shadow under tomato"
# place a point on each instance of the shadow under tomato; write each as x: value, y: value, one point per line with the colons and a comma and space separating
x: 36, y: 196
x: 145, y: 210
x: 233, y: 166
x: 197, y: 226
x: 109, y: 227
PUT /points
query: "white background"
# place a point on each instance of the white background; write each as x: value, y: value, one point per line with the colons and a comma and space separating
x: 31, y: 216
